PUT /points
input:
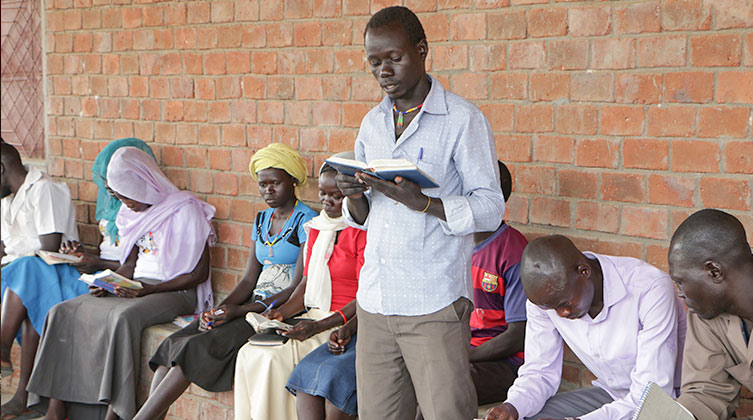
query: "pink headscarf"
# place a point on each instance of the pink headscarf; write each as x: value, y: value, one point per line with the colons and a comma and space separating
x: 183, y: 219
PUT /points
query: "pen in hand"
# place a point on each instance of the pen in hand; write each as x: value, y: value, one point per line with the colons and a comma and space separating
x: 269, y: 308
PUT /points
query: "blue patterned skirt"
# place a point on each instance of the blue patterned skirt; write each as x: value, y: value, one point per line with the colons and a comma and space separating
x: 332, y: 377
x: 41, y: 286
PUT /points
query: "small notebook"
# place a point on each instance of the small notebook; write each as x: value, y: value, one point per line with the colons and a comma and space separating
x: 387, y: 169
x: 656, y: 404
x: 109, y: 280
x: 53, y: 258
x: 184, y: 320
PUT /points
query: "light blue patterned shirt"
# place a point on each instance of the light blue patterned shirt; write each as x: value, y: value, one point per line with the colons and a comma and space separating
x: 416, y: 264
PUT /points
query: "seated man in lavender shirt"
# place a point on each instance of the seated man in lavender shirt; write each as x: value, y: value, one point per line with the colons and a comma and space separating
x: 619, y: 315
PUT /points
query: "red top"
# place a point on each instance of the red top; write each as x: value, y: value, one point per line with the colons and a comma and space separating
x: 344, y: 265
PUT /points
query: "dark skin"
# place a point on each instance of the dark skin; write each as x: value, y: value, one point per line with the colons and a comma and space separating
x: 571, y: 294
x: 311, y: 407
x: 331, y: 199
x: 56, y: 409
x: 398, y: 65
x: 14, y: 315
x: 168, y: 384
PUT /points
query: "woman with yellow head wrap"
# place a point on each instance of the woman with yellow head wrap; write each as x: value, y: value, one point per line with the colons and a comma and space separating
x: 279, y: 156
x: 204, y: 351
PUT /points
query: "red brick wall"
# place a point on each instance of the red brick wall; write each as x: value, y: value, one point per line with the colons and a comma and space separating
x: 617, y: 119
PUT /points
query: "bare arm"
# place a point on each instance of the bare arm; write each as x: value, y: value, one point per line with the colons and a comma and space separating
x: 502, y: 346
x: 51, y: 241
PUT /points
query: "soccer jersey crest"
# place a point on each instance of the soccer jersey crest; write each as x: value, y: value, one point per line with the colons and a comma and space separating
x: 489, y: 282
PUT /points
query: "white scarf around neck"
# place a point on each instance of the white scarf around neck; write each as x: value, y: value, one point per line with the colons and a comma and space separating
x: 318, y: 282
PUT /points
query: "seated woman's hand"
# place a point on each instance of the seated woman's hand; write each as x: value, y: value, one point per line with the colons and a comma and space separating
x: 125, y: 292
x: 220, y: 315
x: 71, y: 247
x: 303, y: 330
x: 97, y: 291
x: 338, y: 340
x: 90, y: 263
x: 273, y: 314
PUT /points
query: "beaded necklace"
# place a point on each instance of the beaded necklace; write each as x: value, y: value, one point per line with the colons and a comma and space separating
x: 277, y: 237
x: 401, y: 113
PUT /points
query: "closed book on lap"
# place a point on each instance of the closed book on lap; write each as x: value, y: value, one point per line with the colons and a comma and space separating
x: 656, y: 404
x: 52, y: 258
x: 268, y: 334
x: 109, y: 280
x: 386, y: 169
x: 267, y: 338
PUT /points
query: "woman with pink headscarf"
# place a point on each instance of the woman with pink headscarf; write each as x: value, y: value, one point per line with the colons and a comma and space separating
x: 89, y: 349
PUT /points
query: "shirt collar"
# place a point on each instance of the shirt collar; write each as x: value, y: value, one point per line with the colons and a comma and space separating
x: 434, y: 103
x: 612, y: 283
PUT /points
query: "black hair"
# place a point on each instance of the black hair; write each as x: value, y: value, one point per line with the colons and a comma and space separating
x: 10, y: 155
x: 505, y: 180
x: 711, y: 234
x: 403, y: 17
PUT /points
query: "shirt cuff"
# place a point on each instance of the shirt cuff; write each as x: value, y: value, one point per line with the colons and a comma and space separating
x: 348, y: 218
x: 457, y: 211
x: 522, y: 406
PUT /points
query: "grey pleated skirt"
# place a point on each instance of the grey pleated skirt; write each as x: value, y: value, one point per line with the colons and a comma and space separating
x: 89, y: 350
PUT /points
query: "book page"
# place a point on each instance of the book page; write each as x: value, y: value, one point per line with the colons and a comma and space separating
x: 260, y: 323
x: 53, y: 258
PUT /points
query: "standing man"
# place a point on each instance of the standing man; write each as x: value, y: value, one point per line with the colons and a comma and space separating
x: 711, y: 263
x: 414, y: 295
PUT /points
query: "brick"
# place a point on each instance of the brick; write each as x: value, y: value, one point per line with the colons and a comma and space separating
x: 233, y: 135
x: 644, y: 222
x: 638, y: 88
x: 164, y: 133
x: 229, y: 87
x: 556, y: 149
x: 112, y: 18
x: 349, y: 61
x: 735, y: 87
x: 589, y: 21
x: 550, y: 211
x: 72, y: 20
x: 592, y: 87
x: 291, y: 62
x: 663, y: 51
x: 121, y: 41
x: 726, y: 193
x: 547, y: 22
x: 175, y: 15
x: 732, y: 14
x: 181, y: 87
x: 195, y: 111
x: 612, y: 53
x: 341, y: 140
x: 82, y: 42
x: 436, y: 28
x: 353, y: 113
x: 281, y: 87
x: 131, y: 17
x: 695, y: 156
x: 154, y: 16
x: 286, y: 135
x: 548, y: 86
x: 313, y: 139
x: 623, y: 187
x: 537, y: 118
x: 715, y: 50
x: 671, y: 190
x: 625, y: 249
x: 102, y: 42
x: 298, y: 113
x: 568, y: 54
x: 535, y: 179
x: 222, y: 11
x: 622, y: 120
x: 337, y: 33
x: 151, y: 110
x: 501, y: 116
x: 723, y: 122
x: 449, y: 57
x: 271, y: 113
x: 198, y: 12
x: 508, y: 85
x: 143, y: 40
x: 327, y: 113
x: 577, y: 183
x: 306, y: 34
x: 577, y: 119
x: 599, y: 153
x: 196, y: 157
x: 748, y: 50
x: 280, y: 35
x: 656, y: 255
x: 159, y: 87
x: 507, y: 25
x: 645, y: 154
x: 174, y: 111
x: 513, y: 148
x: 219, y: 112
x: 207, y: 38
x: 229, y: 37
x: 527, y: 55
x: 264, y: 62
x: 671, y: 121
x: 596, y: 216
x: 473, y: 85
x: 696, y: 87
x: 738, y: 157
x: 214, y: 63
x: 254, y: 87
x: 308, y: 88
x: 468, y: 26
x: 488, y: 57
x: 169, y: 63
x: 331, y: 8
x: 686, y: 15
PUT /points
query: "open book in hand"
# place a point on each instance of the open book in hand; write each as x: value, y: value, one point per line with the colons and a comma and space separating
x: 656, y: 404
x: 262, y: 324
x: 109, y: 280
x: 387, y: 169
x: 52, y: 258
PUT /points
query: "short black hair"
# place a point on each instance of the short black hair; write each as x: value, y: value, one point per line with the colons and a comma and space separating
x: 403, y: 17
x: 10, y: 155
x: 505, y: 180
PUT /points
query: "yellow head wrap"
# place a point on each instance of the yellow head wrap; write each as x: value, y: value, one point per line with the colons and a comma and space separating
x: 279, y: 156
